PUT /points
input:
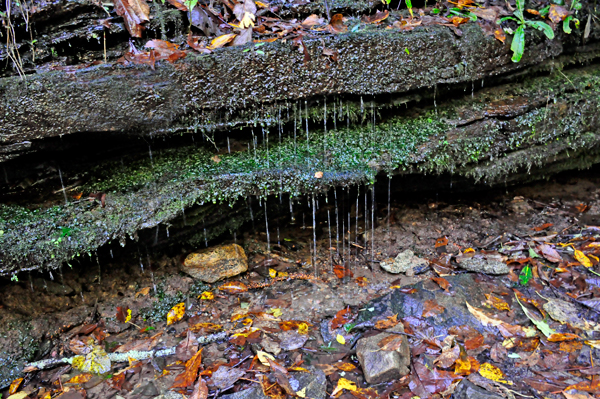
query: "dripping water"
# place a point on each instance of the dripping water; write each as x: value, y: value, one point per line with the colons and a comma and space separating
x: 63, y: 186
x: 150, y: 154
x: 372, y: 225
x: 329, y: 230
x: 337, y: 224
x: 314, y: 235
x: 228, y: 145
x: 267, y: 228
x: 141, y: 264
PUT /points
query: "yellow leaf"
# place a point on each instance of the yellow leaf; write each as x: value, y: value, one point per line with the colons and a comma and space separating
x: 128, y: 318
x: 14, y: 386
x: 594, y: 343
x: 344, y: 384
x: 248, y: 20
x: 468, y: 250
x: 176, y: 313
x: 20, y: 395
x: 207, y: 296
x: 247, y: 322
x: 493, y: 373
x: 276, y: 312
x: 263, y: 356
x: 143, y: 291
x: 303, y: 328
x: 220, y: 41
x: 283, y: 274
x: 272, y: 273
x: 341, y: 339
x: 581, y: 258
x: 298, y: 369
x: 301, y: 393
x: 80, y: 378
x: 261, y: 4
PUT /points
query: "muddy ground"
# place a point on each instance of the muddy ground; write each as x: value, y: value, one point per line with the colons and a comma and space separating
x: 43, y: 315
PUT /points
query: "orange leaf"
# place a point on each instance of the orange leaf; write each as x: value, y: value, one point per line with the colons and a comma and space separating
x: 336, y: 25
x: 134, y: 12
x: 362, y: 281
x: 341, y: 271
x: 14, y: 386
x: 188, y: 377
x: 440, y: 242
x: 176, y: 313
x: 500, y: 35
x: 342, y: 317
x: 220, y: 41
x: 234, y: 287
x: 378, y: 17
x: 543, y: 227
x: 432, y: 308
x: 80, y: 378
x: 391, y: 343
x: 558, y: 337
x: 389, y: 322
x: 442, y: 282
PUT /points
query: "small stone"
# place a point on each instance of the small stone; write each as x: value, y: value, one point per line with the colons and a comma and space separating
x: 382, y: 366
x: 216, y: 263
x: 484, y: 265
x: 406, y: 262
x: 467, y: 390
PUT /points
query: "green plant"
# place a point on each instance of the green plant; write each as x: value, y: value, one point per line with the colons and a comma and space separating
x: 518, y: 43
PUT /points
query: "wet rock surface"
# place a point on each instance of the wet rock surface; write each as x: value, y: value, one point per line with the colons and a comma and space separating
x: 214, y: 264
x: 383, y: 365
x: 406, y: 262
x: 487, y: 265
x: 467, y: 390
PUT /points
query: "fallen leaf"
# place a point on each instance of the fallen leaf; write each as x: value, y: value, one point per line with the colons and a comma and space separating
x: 482, y: 317
x: 540, y: 324
x: 388, y: 322
x: 557, y: 13
x: 207, y: 296
x: 391, y: 342
x: 497, y: 302
x: 340, y: 339
x: 312, y: 20
x: 543, y: 227
x: 441, y: 242
x: 345, y: 366
x: 190, y: 374
x: 122, y: 313
x: 221, y: 41
x: 500, y: 35
x: 264, y: 357
x: 80, y: 378
x: 431, y: 308
x: 341, y: 271
x: 134, y: 12
x: 493, y: 373
x: 165, y: 50
x: 582, y: 258
x: 176, y: 313
x: 559, y: 337
x: 16, y: 384
x: 200, y: 390
x: 319, y: 175
x: 233, y: 287
x: 376, y: 18
x: 245, y: 12
x: 361, y: 281
x: 442, y: 282
x: 143, y: 292
x: 336, y: 25
x: 343, y: 384
x: 549, y: 253
x: 342, y: 317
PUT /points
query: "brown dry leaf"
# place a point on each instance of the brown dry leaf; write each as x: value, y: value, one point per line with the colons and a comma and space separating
x: 188, y: 377
x: 482, y: 317
x: 245, y: 12
x: 116, y: 382
x: 221, y: 41
x: 442, y: 282
x: 195, y: 43
x: 389, y: 322
x: 441, y: 242
x: 342, y: 317
x: 559, y: 337
x: 488, y: 14
x: 165, y: 50
x: 140, y: 344
x: 448, y: 357
x: 336, y: 25
x: 282, y: 377
x: 134, y: 12
x: 497, y: 302
x: 474, y: 343
x: 143, y: 292
x: 391, y: 342
x: 549, y: 253
x: 244, y: 37
x: 500, y: 35
x: 361, y: 281
x: 334, y: 54
x: 432, y: 308
x: 345, y: 366
x: 215, y: 159
x: 407, y: 24
x: 378, y: 17
x: 80, y: 378
x: 233, y: 287
x: 557, y: 13
x: 177, y: 4
x: 312, y: 20
x: 187, y: 347
x: 544, y: 226
x: 200, y: 390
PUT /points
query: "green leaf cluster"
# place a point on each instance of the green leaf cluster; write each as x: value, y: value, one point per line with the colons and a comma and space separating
x: 518, y: 43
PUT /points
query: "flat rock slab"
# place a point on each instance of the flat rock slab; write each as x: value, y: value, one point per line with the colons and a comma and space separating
x: 214, y: 264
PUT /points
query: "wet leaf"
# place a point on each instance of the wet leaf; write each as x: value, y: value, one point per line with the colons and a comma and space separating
x: 200, y: 390
x: 336, y: 25
x: 361, y: 281
x: 344, y: 384
x: 500, y: 35
x: 233, y: 287
x: 135, y: 13
x: 15, y: 385
x: 312, y: 20
x: 177, y: 4
x: 122, y: 313
x: 448, y: 357
x: 340, y: 339
x: 188, y: 377
x: 431, y: 308
x: 441, y: 242
x: 582, y: 258
x: 96, y: 362
x: 493, y: 373
x: 116, y: 381
x: 549, y: 253
x: 207, y: 296
x: 281, y: 376
x: 80, y: 378
x: 176, y: 313
x: 221, y: 41
x: 559, y: 337
x: 496, y: 302
x: 341, y: 271
x: 300, y: 326
x: 165, y: 50
x: 389, y: 322
x: 525, y: 275
x: 225, y: 376
x: 540, y: 324
x: 245, y: 12
x: 518, y: 44
x: 391, y: 342
x: 342, y: 317
x: 482, y: 317
x: 241, y: 337
x: 205, y: 327
x: 345, y: 366
x: 442, y: 282
x: 557, y: 13
x: 376, y: 18
x: 543, y: 227
x: 140, y: 344
x: 264, y: 357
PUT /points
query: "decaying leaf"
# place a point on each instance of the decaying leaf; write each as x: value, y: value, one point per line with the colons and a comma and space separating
x: 15, y: 385
x: 342, y: 317
x: 582, y: 258
x: 135, y: 13
x: 190, y: 374
x: 482, y: 317
x: 432, y: 308
x: 493, y: 373
x: 221, y: 41
x: 245, y: 12
x: 389, y: 322
x: 341, y: 271
x: 312, y: 20
x: 344, y: 384
x: 391, y: 342
x: 234, y: 287
x: 557, y: 13
x: 176, y: 313
x: 336, y: 25
x: 376, y: 18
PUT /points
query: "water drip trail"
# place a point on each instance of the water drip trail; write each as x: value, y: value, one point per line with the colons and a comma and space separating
x: 372, y: 225
x: 155, y: 238
x: 150, y: 154
x: 63, y: 186
x: 337, y: 224
x: 251, y: 213
x: 307, y: 138
x: 267, y: 229
x: 205, y: 238
x: 389, y: 213
x: 151, y: 273
x: 349, y: 240
x: 141, y: 264
x: 314, y: 212
x: 182, y: 209
x: 228, y: 146
x: 329, y: 230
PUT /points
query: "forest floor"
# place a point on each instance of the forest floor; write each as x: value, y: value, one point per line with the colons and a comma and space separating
x: 499, y: 298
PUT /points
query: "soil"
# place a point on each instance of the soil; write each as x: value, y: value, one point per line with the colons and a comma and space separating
x: 51, y: 310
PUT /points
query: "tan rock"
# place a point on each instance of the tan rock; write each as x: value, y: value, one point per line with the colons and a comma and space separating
x: 216, y: 263
x: 383, y: 366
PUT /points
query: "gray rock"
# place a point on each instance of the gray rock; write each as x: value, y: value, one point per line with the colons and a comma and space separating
x: 314, y: 381
x: 225, y: 377
x: 216, y: 263
x: 406, y: 262
x: 484, y: 265
x: 381, y: 366
x: 291, y: 340
x: 467, y: 390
